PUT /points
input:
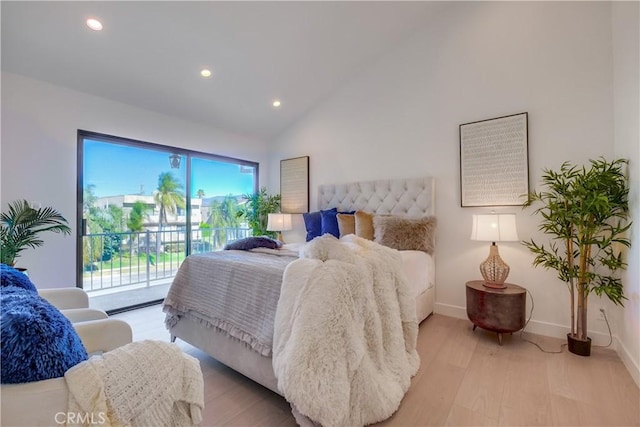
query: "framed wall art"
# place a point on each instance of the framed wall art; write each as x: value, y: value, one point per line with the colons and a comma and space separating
x: 494, y: 163
x: 294, y: 185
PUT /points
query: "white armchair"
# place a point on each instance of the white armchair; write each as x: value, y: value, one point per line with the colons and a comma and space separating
x: 38, y: 403
x: 96, y: 336
x: 73, y: 303
x: 44, y: 403
x: 64, y: 298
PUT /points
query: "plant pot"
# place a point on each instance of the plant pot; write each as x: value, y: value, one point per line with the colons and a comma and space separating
x: 579, y: 347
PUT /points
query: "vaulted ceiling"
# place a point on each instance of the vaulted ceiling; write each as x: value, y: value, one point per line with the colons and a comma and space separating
x: 149, y: 54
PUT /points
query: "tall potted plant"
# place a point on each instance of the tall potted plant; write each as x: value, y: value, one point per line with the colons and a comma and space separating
x: 21, y: 226
x: 256, y: 211
x: 584, y: 211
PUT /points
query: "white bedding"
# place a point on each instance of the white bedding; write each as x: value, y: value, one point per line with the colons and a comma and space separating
x: 419, y: 267
x: 420, y: 271
x: 237, y: 291
x: 344, y: 344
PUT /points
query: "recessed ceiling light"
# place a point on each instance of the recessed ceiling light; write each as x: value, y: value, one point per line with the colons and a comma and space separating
x: 205, y: 72
x: 276, y: 103
x: 94, y: 24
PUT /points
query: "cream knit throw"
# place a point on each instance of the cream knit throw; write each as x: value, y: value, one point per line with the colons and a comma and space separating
x: 345, y: 335
x: 147, y: 383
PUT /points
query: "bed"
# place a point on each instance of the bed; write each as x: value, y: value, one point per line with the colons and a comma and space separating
x: 248, y: 354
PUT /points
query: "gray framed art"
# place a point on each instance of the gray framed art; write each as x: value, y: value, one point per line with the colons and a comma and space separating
x: 294, y: 185
x: 494, y: 163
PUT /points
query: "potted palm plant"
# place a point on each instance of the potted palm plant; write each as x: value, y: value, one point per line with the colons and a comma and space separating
x: 256, y: 211
x: 584, y: 212
x: 21, y: 225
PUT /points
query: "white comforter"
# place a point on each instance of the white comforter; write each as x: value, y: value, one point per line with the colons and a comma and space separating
x: 345, y: 332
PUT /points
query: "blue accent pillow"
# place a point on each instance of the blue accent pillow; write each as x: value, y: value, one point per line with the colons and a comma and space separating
x: 313, y: 223
x: 38, y: 342
x: 329, y: 222
x: 253, y: 242
x: 9, y: 276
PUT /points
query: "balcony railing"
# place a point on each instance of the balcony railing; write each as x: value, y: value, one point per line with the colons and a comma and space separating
x: 113, y: 260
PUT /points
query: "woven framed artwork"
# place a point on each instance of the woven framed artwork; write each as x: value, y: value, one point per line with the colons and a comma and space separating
x: 294, y: 185
x: 494, y: 163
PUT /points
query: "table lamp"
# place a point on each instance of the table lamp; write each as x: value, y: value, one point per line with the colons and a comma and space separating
x: 494, y: 228
x: 279, y: 222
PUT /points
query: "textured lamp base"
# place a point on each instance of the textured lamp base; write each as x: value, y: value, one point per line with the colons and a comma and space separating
x: 494, y: 270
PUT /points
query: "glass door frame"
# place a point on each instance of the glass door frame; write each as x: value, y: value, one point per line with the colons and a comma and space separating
x: 188, y: 155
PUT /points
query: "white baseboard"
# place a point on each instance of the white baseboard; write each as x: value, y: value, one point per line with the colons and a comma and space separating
x: 561, y: 331
x: 557, y: 331
x: 450, y: 310
x: 629, y: 363
x: 534, y: 326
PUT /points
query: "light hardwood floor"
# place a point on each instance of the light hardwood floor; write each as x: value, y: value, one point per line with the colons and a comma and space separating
x: 465, y: 379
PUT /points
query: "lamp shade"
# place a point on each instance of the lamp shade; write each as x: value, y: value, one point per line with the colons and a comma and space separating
x: 279, y: 222
x: 494, y: 228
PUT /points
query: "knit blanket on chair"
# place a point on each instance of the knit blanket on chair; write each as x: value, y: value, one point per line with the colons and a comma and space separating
x: 147, y: 383
x: 345, y: 334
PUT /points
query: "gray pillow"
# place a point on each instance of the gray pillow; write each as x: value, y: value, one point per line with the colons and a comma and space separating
x: 403, y: 233
x: 253, y: 242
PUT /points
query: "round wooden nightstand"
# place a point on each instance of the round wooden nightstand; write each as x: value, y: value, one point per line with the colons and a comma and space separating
x: 496, y: 310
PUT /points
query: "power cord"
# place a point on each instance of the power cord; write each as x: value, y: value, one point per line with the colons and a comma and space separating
x: 525, y: 326
x: 604, y: 314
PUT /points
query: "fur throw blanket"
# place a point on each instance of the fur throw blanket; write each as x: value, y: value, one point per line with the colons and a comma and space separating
x: 147, y: 383
x: 345, y: 332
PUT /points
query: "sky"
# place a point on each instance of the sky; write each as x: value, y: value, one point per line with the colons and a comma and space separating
x: 119, y: 169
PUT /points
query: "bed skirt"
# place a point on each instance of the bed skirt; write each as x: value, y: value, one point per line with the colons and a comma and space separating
x: 228, y: 350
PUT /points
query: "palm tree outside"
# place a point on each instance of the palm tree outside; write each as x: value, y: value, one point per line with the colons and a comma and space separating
x: 168, y: 196
x: 137, y: 218
x: 222, y: 217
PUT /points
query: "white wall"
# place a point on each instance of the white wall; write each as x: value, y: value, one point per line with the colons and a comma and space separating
x: 39, y: 146
x: 626, y: 90
x: 399, y: 118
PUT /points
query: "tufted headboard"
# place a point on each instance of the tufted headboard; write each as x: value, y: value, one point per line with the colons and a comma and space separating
x: 412, y: 197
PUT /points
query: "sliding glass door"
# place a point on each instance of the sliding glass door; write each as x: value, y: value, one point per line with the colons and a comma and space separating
x: 217, y: 188
x: 144, y: 207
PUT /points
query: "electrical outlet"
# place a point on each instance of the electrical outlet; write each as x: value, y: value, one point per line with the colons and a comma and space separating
x: 602, y: 313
